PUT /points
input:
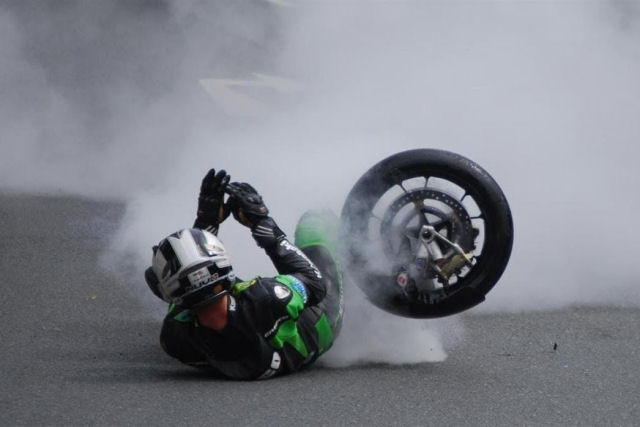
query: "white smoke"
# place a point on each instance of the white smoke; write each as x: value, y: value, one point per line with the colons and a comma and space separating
x: 544, y: 95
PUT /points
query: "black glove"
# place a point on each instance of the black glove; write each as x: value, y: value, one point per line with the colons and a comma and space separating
x: 266, y: 232
x: 246, y: 204
x: 211, y: 207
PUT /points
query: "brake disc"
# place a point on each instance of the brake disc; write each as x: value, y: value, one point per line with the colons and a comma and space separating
x: 456, y: 222
x: 400, y: 231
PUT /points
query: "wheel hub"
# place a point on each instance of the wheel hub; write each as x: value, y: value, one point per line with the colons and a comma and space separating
x: 431, y: 242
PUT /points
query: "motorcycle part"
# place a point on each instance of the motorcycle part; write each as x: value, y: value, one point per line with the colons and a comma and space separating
x: 427, y: 233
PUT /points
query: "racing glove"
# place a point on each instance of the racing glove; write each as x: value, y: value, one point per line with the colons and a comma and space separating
x: 211, y: 208
x: 249, y: 209
x: 246, y: 204
x: 266, y: 233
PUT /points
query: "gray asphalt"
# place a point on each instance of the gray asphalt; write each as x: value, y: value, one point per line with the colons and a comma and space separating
x: 75, y: 351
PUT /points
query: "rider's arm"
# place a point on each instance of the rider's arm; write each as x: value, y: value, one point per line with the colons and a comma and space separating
x: 207, y: 226
x: 249, y: 209
x: 288, y: 258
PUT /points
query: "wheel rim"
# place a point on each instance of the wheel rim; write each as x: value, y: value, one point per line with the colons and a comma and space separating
x: 397, y: 233
x: 457, y: 196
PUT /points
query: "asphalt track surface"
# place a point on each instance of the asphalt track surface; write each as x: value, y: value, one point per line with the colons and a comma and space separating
x: 76, y: 352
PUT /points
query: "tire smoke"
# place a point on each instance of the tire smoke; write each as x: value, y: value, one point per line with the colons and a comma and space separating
x: 135, y: 101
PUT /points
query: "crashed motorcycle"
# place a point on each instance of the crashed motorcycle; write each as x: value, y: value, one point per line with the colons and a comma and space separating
x: 426, y: 233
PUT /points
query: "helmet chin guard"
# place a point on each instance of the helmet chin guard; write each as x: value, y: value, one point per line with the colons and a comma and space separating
x: 192, y: 268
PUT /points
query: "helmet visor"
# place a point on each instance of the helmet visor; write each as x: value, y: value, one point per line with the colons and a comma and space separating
x: 203, y: 284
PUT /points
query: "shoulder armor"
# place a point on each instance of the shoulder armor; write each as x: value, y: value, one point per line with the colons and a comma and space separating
x: 294, y: 284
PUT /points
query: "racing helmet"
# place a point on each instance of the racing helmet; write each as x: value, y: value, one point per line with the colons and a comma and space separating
x: 190, y: 268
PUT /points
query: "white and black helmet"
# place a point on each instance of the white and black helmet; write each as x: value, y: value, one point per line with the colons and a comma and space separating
x: 190, y: 268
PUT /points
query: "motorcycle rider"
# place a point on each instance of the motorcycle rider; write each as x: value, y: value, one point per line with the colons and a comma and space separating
x: 247, y: 329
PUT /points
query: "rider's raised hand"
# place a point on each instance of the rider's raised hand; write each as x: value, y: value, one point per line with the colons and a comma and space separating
x: 213, y: 184
x: 211, y: 208
x: 246, y: 204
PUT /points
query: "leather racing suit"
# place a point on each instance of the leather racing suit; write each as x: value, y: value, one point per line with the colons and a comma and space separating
x: 275, y: 325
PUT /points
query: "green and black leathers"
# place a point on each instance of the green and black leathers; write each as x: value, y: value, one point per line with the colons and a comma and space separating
x: 275, y: 325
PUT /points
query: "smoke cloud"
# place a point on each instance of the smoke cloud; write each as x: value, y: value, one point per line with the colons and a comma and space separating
x: 136, y: 100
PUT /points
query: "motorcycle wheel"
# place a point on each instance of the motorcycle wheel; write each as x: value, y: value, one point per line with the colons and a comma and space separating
x: 427, y: 233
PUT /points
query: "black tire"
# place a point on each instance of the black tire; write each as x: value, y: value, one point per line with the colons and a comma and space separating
x: 471, y: 289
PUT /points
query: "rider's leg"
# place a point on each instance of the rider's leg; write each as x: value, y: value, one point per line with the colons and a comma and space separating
x: 316, y: 236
